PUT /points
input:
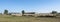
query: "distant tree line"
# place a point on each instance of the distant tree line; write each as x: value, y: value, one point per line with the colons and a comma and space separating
x: 6, y: 12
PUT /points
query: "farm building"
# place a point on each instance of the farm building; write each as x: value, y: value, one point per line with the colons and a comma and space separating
x: 29, y: 13
x: 0, y: 13
x: 45, y: 14
x: 33, y: 14
x: 15, y: 14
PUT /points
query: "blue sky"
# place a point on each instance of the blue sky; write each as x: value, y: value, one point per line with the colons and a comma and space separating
x: 41, y: 6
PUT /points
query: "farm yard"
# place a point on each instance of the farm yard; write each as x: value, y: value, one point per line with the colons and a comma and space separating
x: 29, y: 10
x: 9, y: 18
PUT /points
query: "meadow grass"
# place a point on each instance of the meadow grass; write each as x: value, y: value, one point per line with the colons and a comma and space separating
x: 9, y: 18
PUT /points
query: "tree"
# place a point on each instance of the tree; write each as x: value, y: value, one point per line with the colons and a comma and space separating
x: 6, y: 12
x: 54, y: 12
x: 23, y: 12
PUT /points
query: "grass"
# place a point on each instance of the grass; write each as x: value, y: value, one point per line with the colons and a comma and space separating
x: 7, y: 18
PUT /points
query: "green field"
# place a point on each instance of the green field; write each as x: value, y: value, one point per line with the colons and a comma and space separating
x: 7, y: 18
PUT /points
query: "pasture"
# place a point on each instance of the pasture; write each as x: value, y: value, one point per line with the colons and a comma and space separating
x: 9, y: 18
